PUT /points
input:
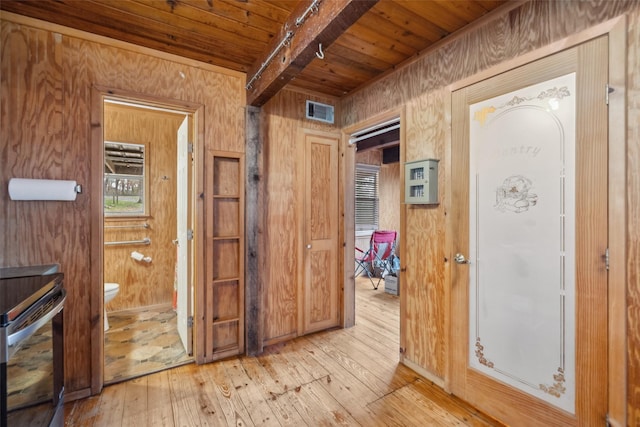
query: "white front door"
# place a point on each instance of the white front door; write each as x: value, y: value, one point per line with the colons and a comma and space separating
x: 183, y: 270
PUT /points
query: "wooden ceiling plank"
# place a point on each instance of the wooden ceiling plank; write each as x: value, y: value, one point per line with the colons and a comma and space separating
x: 349, y: 54
x: 325, y: 26
x: 330, y: 76
x: 437, y: 14
x: 394, y: 12
x: 234, y: 11
x: 327, y: 82
x: 399, y: 33
x: 266, y: 9
x: 219, y: 43
x: 314, y: 86
x: 467, y: 10
x: 385, y: 53
x: 489, y: 5
x: 338, y: 66
x: 379, y: 38
x: 194, y: 20
x: 333, y: 59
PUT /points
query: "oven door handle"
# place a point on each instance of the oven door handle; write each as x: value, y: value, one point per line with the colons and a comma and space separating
x: 25, y: 333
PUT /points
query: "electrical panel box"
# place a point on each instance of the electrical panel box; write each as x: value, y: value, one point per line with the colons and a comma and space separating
x: 421, y: 182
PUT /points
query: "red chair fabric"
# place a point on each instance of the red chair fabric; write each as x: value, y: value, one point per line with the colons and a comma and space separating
x: 376, y: 261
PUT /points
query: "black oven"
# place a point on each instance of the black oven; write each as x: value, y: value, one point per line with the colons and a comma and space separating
x: 31, y: 348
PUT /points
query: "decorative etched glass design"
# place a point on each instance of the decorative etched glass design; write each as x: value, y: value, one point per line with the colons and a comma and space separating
x: 522, y: 240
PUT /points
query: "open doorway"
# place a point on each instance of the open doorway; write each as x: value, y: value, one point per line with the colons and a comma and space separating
x: 377, y: 194
x: 147, y: 217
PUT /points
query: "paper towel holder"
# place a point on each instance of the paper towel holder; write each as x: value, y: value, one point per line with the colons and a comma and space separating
x: 43, y: 189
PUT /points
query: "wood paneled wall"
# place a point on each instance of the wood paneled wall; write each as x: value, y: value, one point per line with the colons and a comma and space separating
x: 390, y: 198
x: 281, y: 118
x: 421, y: 88
x: 141, y: 283
x: 47, y: 75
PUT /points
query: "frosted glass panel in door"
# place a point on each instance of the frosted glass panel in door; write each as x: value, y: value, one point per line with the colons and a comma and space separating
x: 522, y: 240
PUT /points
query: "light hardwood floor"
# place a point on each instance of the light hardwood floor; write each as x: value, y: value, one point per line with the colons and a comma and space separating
x: 342, y: 377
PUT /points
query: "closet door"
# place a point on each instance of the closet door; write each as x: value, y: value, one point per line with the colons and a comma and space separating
x: 320, y: 288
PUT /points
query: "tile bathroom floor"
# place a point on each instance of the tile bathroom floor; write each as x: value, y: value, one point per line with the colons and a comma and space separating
x: 141, y: 342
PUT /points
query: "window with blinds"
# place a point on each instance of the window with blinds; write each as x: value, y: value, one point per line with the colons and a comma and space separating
x: 367, y: 197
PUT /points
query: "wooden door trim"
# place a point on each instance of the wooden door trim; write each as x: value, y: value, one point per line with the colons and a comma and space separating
x: 618, y: 228
x: 98, y: 95
x: 616, y: 29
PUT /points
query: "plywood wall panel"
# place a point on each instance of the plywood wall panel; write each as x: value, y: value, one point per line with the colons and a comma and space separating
x: 425, y: 240
x: 389, y: 215
x: 420, y: 86
x: 281, y: 119
x: 45, y: 99
x: 281, y: 259
x: 32, y: 136
x: 369, y: 157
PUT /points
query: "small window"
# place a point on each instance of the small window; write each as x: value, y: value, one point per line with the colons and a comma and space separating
x: 367, y: 197
x: 124, y: 179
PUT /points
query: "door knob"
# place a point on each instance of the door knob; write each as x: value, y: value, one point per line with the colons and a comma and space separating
x: 460, y: 259
x: 309, y: 246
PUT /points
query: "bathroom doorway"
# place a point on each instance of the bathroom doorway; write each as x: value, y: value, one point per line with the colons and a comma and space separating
x: 147, y: 223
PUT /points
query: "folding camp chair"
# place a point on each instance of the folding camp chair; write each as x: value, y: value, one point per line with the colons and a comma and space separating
x: 377, y: 260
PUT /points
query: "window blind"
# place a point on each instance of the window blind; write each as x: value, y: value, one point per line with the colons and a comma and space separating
x: 367, y: 197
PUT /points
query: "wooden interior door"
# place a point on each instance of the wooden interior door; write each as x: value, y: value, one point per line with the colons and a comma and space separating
x: 529, y: 280
x: 320, y: 296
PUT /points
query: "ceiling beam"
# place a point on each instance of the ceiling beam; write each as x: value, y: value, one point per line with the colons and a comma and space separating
x: 325, y: 25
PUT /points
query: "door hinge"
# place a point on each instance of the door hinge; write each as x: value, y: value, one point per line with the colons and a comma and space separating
x: 190, y: 147
x: 606, y: 259
x: 608, y: 90
x: 189, y: 234
x: 190, y: 321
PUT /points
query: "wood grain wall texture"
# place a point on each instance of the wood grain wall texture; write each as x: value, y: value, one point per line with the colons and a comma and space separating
x: 46, y: 84
x: 144, y: 284
x: 389, y: 216
x: 281, y: 118
x: 633, y: 218
x: 420, y: 88
x: 369, y: 157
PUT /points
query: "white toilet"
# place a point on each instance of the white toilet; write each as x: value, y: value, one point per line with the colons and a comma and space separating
x: 110, y: 292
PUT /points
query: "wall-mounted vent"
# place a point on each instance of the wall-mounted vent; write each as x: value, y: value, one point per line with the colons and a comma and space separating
x: 320, y: 112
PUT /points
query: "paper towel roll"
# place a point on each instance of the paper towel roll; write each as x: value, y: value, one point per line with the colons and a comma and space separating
x: 41, y: 189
